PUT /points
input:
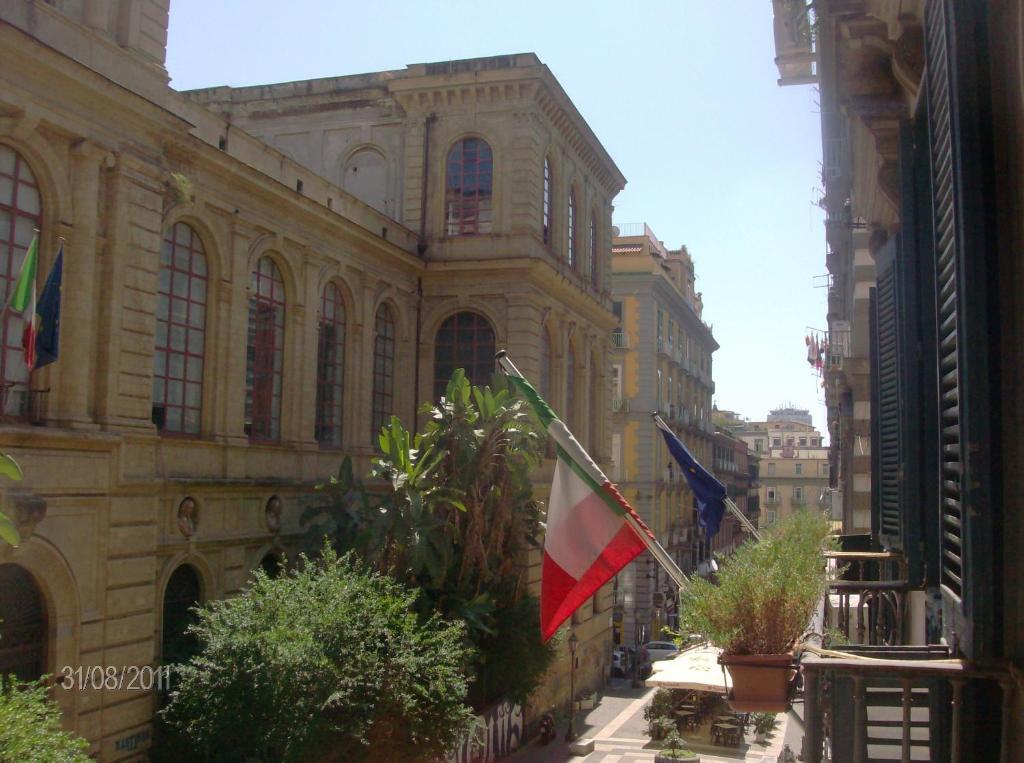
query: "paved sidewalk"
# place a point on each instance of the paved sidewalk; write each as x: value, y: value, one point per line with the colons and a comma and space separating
x: 617, y: 727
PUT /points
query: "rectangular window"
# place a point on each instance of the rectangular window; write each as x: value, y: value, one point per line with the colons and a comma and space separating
x: 771, y: 517
x: 824, y: 470
x: 799, y: 468
x: 759, y: 445
x: 771, y: 470
x: 803, y: 442
x: 770, y: 495
x: 776, y: 442
x: 798, y: 493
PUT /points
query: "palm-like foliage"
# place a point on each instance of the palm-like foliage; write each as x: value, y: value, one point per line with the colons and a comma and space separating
x: 456, y: 514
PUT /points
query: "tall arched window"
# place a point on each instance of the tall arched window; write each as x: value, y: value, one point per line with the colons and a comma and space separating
x: 20, y: 217
x: 571, y: 246
x: 180, y: 332
x: 465, y: 340
x: 330, y: 366
x: 23, y: 624
x: 545, y: 364
x: 265, y: 362
x: 183, y: 592
x: 570, y: 386
x: 546, y: 201
x: 383, y: 370
x: 468, y: 188
x: 593, y: 249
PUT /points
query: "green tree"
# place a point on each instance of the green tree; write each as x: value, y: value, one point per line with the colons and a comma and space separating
x: 30, y: 726
x: 328, y: 662
x: 456, y: 518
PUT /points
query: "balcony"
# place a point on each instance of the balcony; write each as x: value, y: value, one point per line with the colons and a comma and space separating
x: 868, y: 603
x: 620, y: 404
x: 620, y: 340
x: 904, y: 703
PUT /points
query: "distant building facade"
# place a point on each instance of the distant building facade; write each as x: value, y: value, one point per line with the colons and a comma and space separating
x: 794, y: 463
x: 661, y: 360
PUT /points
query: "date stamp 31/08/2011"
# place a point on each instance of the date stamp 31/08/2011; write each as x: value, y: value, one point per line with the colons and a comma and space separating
x: 114, y: 678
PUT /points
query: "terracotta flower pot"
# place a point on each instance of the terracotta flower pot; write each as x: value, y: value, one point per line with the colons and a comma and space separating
x: 761, y: 683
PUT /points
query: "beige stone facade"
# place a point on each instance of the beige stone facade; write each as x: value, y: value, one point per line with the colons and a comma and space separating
x: 794, y: 465
x: 661, y: 361
x: 123, y: 166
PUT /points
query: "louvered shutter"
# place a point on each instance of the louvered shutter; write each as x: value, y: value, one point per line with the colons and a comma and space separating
x: 964, y: 335
x: 885, y: 375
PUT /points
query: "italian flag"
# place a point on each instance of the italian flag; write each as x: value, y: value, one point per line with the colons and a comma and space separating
x: 23, y: 300
x: 592, y: 532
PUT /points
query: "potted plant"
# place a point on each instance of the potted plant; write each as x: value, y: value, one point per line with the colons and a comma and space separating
x: 675, y: 750
x: 658, y: 714
x: 763, y: 723
x: 761, y: 606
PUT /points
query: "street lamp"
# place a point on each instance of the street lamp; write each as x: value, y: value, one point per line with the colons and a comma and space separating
x: 573, y: 643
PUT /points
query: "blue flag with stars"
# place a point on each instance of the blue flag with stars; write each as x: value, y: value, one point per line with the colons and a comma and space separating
x: 48, y: 310
x: 709, y: 492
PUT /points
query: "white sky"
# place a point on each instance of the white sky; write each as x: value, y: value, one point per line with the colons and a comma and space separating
x: 682, y: 94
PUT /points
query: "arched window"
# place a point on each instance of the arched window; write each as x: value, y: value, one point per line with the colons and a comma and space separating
x: 546, y: 202
x: 23, y: 624
x: 20, y: 217
x: 183, y: 592
x: 265, y: 361
x: 365, y: 176
x: 570, y: 386
x: 469, y: 187
x: 330, y: 366
x: 271, y: 564
x: 180, y: 332
x: 465, y: 340
x: 383, y: 370
x: 571, y: 247
x: 545, y: 364
x: 593, y: 249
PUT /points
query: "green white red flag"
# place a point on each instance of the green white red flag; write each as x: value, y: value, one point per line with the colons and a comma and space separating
x: 592, y: 531
x: 23, y: 300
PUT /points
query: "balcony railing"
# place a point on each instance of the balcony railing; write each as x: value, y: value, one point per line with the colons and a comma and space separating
x: 868, y: 602
x: 620, y: 340
x: 903, y: 703
x: 620, y: 404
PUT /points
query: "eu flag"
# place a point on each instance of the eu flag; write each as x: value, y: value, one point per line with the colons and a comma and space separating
x: 709, y: 492
x: 48, y: 310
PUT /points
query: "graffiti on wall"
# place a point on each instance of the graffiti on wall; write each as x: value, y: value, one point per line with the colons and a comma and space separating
x: 499, y: 732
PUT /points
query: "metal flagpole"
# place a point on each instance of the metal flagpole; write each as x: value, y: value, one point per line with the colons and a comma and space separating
x: 733, y: 508
x: 571, y: 445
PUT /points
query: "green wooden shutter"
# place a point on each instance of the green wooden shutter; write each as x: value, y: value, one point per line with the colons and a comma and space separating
x: 966, y: 336
x: 885, y: 375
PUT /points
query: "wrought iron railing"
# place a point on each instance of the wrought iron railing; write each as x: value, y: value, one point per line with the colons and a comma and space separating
x: 867, y: 602
x: 903, y: 704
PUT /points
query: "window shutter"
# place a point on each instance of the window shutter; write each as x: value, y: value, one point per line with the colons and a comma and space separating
x: 965, y: 334
x: 885, y: 375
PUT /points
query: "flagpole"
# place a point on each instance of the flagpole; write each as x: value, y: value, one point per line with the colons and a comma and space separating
x: 657, y: 550
x: 733, y: 508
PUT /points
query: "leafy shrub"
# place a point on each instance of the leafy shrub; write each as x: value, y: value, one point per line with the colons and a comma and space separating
x: 455, y: 521
x: 763, y: 722
x: 660, y: 727
x: 766, y: 591
x: 328, y: 662
x: 30, y: 726
x: 660, y: 706
x: 675, y: 746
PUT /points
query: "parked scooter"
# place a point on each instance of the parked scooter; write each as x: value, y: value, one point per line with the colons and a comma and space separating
x: 547, y: 728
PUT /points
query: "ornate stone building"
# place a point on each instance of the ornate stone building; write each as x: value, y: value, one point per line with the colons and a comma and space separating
x: 661, y: 362
x: 242, y: 308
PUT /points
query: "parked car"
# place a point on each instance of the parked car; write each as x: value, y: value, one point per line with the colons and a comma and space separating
x: 661, y: 650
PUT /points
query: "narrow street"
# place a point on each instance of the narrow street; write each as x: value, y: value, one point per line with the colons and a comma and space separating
x: 617, y: 727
